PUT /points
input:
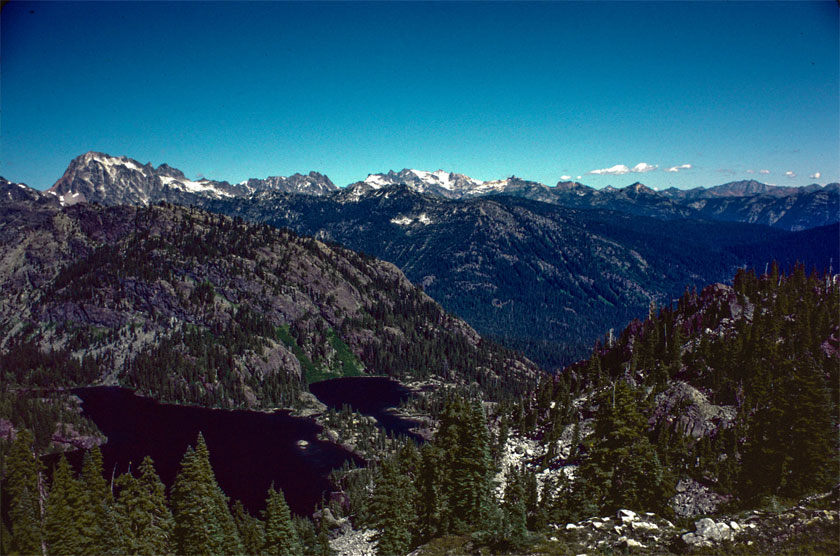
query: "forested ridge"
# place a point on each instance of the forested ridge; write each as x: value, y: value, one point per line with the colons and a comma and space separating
x: 191, y: 307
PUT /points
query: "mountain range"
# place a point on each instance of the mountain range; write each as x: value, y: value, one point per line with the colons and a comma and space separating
x: 101, y: 178
x: 545, y: 270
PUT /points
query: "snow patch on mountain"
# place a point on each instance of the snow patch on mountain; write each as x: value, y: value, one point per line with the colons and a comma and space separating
x: 408, y: 220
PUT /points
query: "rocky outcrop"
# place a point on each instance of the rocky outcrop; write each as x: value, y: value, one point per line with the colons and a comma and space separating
x: 694, y: 499
x: 708, y: 532
x: 758, y: 532
x: 351, y: 542
x: 691, y: 409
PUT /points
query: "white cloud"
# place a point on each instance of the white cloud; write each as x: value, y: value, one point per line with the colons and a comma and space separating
x: 618, y: 169
x: 764, y: 171
x: 643, y: 167
x: 565, y: 178
x: 751, y: 171
x: 678, y: 168
x: 580, y: 177
x: 790, y: 174
x: 815, y: 176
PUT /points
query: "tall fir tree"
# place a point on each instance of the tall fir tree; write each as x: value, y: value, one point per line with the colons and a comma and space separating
x: 22, y: 493
x: 622, y: 470
x: 144, y: 520
x: 251, y: 530
x: 394, y: 510
x: 280, y: 538
x: 64, y: 504
x: 95, y: 514
x: 203, y: 522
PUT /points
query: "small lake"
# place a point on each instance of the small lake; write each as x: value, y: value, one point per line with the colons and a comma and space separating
x: 372, y: 396
x: 248, y: 449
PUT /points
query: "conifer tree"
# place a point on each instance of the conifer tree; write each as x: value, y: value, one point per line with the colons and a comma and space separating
x: 61, y: 526
x: 23, y: 471
x: 429, y: 497
x: 515, y: 529
x: 94, y: 514
x: 251, y: 530
x: 394, y: 511
x: 280, y: 538
x: 203, y: 523
x: 26, y: 525
x: 622, y: 470
x: 322, y: 541
x: 472, y: 497
x: 144, y: 520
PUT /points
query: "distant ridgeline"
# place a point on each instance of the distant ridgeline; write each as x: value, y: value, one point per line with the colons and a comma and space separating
x: 191, y: 307
x: 538, y: 277
x: 542, y: 270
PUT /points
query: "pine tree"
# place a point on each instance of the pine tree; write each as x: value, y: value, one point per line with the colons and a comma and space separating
x: 94, y: 515
x: 26, y: 525
x: 61, y: 527
x: 622, y: 470
x: 472, y: 497
x: 144, y: 520
x: 203, y: 523
x: 394, y: 511
x: 322, y: 541
x: 251, y: 530
x: 280, y: 536
x: 515, y: 529
x: 23, y: 471
x: 429, y: 499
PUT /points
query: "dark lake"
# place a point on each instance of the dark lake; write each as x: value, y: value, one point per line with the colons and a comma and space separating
x: 372, y: 396
x: 248, y: 450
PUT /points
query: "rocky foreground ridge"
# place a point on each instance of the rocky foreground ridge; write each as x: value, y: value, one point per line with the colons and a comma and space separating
x: 811, y: 524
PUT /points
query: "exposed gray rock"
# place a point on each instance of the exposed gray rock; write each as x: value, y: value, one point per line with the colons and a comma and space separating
x: 708, y: 532
x: 694, y: 499
x: 689, y: 407
x: 354, y: 543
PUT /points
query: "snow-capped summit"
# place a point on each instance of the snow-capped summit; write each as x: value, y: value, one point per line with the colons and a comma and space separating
x: 440, y: 182
x: 119, y: 180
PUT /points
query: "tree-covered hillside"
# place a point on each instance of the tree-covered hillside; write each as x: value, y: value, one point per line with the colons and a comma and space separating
x: 189, y: 306
x: 734, y: 388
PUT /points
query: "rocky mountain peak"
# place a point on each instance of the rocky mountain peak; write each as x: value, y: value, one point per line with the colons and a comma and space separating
x: 167, y: 170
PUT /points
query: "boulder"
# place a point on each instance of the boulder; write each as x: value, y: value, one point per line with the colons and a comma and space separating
x: 626, y: 516
x: 708, y: 532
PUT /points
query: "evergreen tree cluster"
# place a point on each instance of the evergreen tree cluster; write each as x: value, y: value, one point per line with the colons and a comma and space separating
x: 44, y: 413
x: 445, y: 487
x: 85, y: 514
x: 768, y: 346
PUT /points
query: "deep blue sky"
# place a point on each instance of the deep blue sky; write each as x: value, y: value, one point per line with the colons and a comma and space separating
x: 232, y: 91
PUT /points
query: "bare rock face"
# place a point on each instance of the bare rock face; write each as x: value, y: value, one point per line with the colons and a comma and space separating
x: 688, y: 406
